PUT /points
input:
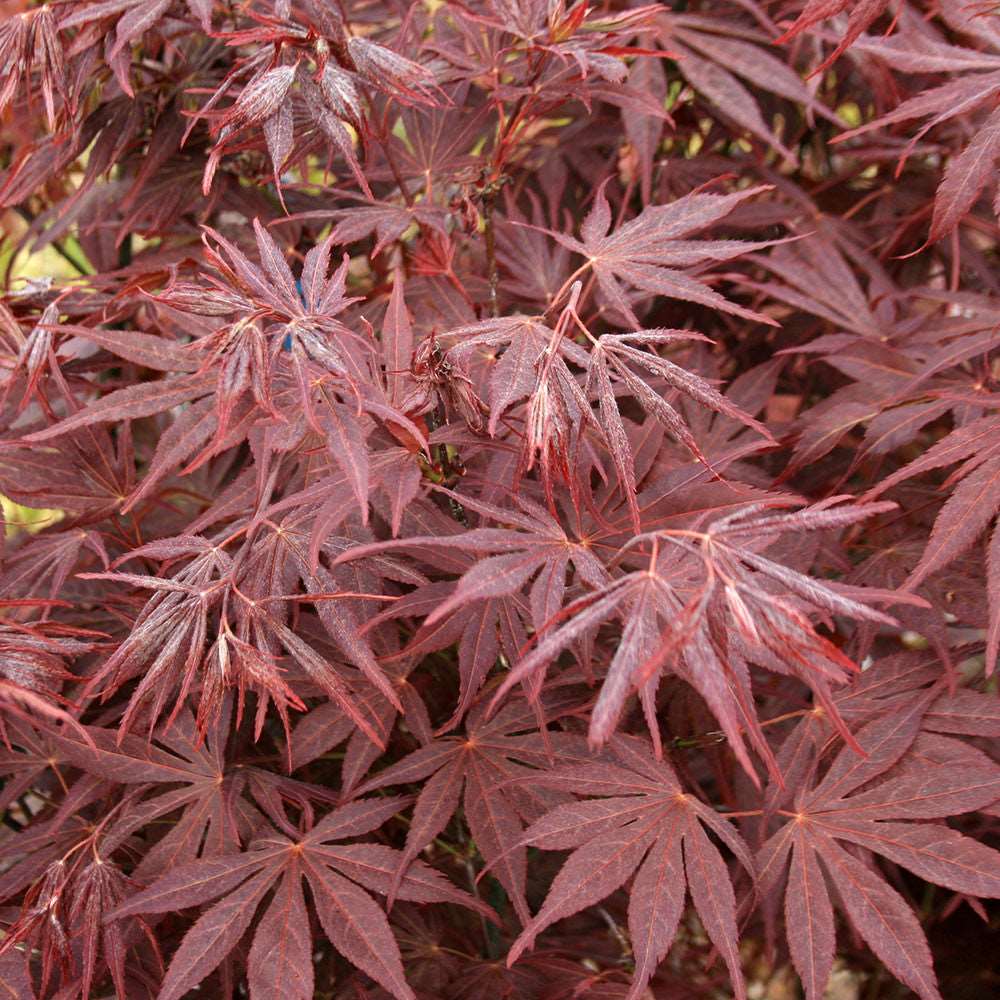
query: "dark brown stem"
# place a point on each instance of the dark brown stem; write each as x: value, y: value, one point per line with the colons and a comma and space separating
x: 491, y: 252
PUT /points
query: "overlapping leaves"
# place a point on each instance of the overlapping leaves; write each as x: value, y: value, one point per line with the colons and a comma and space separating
x: 414, y: 475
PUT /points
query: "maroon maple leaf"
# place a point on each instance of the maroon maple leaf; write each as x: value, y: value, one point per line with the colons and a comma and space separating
x: 652, y: 253
x: 877, y: 802
x: 340, y: 878
x: 642, y: 825
x: 475, y: 769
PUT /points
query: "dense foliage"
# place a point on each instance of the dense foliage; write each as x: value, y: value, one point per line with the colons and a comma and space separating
x: 516, y: 482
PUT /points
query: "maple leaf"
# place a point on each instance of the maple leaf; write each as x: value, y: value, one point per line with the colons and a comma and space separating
x: 301, y: 335
x: 130, y: 403
x: 705, y: 604
x: 533, y: 265
x: 833, y: 279
x: 407, y: 80
x: 331, y: 95
x: 495, y: 626
x: 616, y: 353
x: 473, y: 769
x: 386, y: 221
x: 84, y: 473
x: 916, y: 377
x: 34, y: 355
x: 69, y: 905
x: 24, y: 761
x: 334, y: 593
x: 649, y: 252
x: 340, y: 878
x: 70, y: 879
x: 540, y: 549
x: 169, y: 642
x: 643, y: 824
x: 533, y: 366
x: 215, y: 817
x: 45, y: 561
x: 877, y: 802
x: 321, y: 514
x: 536, y: 548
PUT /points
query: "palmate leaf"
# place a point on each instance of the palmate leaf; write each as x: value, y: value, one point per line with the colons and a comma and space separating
x: 535, y: 546
x: 475, y: 769
x: 525, y: 341
x: 272, y: 91
x: 652, y: 251
x: 217, y: 805
x: 704, y: 606
x: 642, y: 824
x: 490, y: 627
x: 131, y: 403
x: 171, y: 643
x: 496, y: 624
x: 340, y: 878
x: 877, y: 803
x: 621, y: 354
x: 34, y: 666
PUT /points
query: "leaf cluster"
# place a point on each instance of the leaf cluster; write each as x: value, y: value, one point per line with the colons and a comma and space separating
x: 519, y: 486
